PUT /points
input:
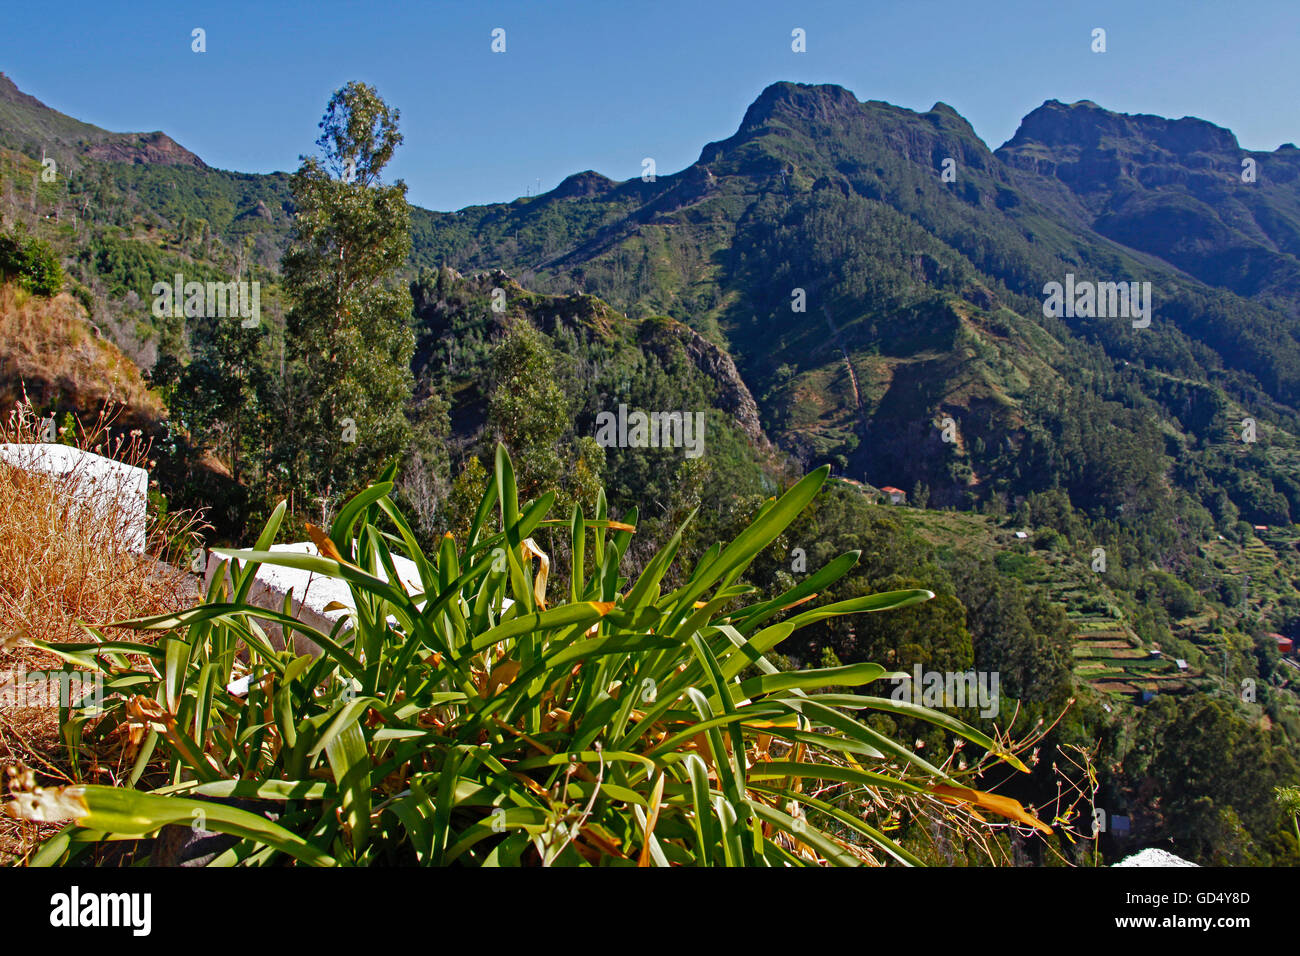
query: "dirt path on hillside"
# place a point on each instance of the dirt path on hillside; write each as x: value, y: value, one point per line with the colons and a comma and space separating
x: 848, y: 363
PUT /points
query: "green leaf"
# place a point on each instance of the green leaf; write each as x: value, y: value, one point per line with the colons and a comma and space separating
x: 346, y: 751
x: 849, y: 675
x: 134, y: 814
x: 341, y: 529
x: 885, y: 601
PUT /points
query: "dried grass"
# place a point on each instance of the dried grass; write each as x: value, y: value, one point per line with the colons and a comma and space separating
x: 64, y: 563
x: 50, y: 341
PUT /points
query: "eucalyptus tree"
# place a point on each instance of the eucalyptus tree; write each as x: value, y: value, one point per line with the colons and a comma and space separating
x: 348, y: 335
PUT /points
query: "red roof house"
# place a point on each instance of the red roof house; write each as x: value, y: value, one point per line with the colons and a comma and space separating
x: 896, y: 495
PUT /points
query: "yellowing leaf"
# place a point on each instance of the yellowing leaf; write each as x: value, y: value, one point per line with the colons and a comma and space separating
x: 1003, y: 806
x: 325, y: 546
x: 531, y: 550
x: 501, y: 676
x: 45, y: 804
x: 656, y: 800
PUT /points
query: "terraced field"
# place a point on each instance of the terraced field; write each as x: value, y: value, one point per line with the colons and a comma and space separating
x: 1109, y: 655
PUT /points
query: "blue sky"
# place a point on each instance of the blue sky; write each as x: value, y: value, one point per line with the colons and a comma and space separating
x: 602, y: 85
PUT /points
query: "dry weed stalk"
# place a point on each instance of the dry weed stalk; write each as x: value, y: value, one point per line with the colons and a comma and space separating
x: 66, y: 562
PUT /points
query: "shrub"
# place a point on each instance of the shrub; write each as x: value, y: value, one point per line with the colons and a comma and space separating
x: 474, y: 723
x: 87, y: 298
x: 32, y: 262
x: 1049, y: 539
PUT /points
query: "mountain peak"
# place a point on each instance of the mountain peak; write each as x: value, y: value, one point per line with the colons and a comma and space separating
x: 944, y: 116
x: 27, y: 119
x: 156, y: 148
x: 586, y: 183
x: 1084, y: 124
x: 815, y: 101
x: 10, y: 93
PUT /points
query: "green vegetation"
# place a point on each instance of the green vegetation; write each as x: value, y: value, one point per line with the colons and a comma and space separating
x: 536, y: 375
x: 610, y: 727
x: 347, y: 341
x: 31, y: 262
x: 922, y: 302
x: 1214, y: 774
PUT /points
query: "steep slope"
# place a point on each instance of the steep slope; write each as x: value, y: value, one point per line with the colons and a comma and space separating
x: 867, y: 296
x: 58, y: 360
x: 603, y: 365
x: 26, y: 121
x: 455, y: 319
x: 877, y: 276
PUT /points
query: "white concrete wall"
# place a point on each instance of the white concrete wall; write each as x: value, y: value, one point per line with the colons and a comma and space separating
x: 312, y: 593
x: 97, y: 481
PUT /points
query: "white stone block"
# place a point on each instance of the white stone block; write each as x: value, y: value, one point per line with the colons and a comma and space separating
x: 1153, y: 856
x: 312, y: 594
x: 100, y: 483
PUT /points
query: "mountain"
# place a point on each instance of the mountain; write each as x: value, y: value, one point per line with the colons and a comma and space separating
x: 923, y: 298
x: 144, y: 180
x: 1183, y: 190
x: 840, y: 282
x: 874, y: 275
x: 28, y: 124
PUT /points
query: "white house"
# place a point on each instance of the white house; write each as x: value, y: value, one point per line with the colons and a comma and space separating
x: 896, y: 495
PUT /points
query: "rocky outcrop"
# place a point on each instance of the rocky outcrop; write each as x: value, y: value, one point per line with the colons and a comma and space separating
x: 1181, y: 189
x: 733, y: 396
x: 157, y: 149
x: 807, y: 102
x: 70, y: 140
